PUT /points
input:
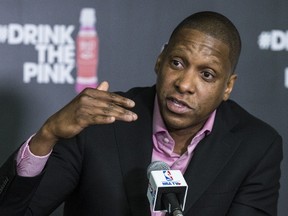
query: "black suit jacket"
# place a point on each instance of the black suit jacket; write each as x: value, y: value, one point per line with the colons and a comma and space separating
x: 235, y: 170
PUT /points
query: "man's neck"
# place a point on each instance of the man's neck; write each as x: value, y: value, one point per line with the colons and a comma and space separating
x: 183, y: 138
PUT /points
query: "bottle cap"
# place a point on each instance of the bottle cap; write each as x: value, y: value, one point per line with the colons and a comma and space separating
x: 88, y: 16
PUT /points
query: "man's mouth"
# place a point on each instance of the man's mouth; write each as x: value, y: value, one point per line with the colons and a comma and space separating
x: 177, y: 106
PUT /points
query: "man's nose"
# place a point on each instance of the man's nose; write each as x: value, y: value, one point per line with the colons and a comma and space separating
x: 186, y: 82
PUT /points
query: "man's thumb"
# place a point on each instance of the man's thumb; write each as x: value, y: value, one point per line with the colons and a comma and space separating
x: 103, y: 86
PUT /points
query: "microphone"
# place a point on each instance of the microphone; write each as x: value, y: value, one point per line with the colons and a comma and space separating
x: 167, y: 189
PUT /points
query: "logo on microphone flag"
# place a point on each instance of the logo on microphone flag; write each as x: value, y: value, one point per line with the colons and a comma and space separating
x: 167, y: 174
x: 170, y: 180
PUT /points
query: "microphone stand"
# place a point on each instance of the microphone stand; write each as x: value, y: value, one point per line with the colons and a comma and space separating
x: 172, y: 205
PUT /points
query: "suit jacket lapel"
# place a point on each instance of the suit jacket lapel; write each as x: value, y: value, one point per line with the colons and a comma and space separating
x: 135, y: 150
x: 211, y: 155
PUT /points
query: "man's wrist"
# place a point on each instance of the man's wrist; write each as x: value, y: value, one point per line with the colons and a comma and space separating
x: 42, y: 143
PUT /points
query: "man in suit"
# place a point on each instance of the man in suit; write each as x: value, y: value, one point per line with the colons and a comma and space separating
x: 98, y: 146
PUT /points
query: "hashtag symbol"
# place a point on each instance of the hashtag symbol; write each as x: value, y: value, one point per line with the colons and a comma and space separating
x: 3, y: 33
x: 264, y: 40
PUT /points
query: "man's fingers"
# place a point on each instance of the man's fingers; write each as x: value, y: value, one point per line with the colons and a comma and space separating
x: 95, y: 112
x: 121, y: 101
x: 112, y: 110
x: 99, y: 106
x: 102, y: 94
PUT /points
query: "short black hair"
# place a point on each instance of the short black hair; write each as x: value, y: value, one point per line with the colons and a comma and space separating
x: 217, y: 26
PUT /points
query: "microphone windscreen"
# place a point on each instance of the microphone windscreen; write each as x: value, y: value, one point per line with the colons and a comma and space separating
x: 157, y: 165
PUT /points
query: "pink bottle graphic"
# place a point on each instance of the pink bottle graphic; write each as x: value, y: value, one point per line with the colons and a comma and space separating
x: 87, y: 49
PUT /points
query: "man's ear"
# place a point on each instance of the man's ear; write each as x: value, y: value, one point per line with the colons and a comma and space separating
x: 159, y: 59
x: 157, y: 64
x: 229, y: 87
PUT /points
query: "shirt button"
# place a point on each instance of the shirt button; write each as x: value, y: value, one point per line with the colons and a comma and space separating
x: 166, y: 140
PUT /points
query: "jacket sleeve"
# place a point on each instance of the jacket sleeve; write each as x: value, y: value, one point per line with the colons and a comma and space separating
x: 16, y: 192
x: 258, y: 194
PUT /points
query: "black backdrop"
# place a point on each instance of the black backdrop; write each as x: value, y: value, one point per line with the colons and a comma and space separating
x: 131, y: 34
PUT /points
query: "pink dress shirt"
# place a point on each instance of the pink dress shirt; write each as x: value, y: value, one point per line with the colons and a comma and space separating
x: 164, y: 144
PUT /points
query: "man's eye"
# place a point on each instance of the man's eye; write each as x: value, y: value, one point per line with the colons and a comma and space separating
x: 176, y: 63
x: 207, y: 75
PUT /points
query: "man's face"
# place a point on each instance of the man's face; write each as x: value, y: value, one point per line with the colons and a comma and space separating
x: 194, y: 75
